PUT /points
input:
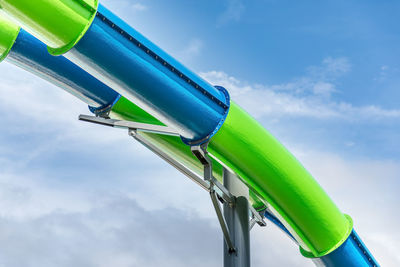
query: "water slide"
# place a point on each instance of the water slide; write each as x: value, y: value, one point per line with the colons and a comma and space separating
x: 122, y: 75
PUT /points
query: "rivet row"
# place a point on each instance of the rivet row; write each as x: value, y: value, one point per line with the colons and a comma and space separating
x: 160, y: 60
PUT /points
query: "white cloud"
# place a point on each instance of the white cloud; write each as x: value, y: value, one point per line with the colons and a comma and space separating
x: 323, y: 89
x: 386, y: 74
x: 330, y: 69
x: 233, y: 12
x: 74, y: 194
x: 126, y: 5
x: 191, y: 51
x: 194, y: 47
x: 114, y: 232
x: 139, y: 7
x: 308, y: 96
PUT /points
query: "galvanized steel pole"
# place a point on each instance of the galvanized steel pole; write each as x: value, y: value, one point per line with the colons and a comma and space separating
x: 237, y: 219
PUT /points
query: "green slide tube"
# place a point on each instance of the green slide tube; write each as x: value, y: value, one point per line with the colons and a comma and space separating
x: 8, y: 34
x: 279, y: 178
x: 269, y: 170
x: 59, y: 24
x: 241, y: 144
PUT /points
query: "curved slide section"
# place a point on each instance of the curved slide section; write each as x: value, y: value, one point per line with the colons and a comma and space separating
x: 158, y: 85
x: 28, y: 53
x: 22, y: 49
x: 352, y: 253
x: 25, y: 51
x: 178, y: 98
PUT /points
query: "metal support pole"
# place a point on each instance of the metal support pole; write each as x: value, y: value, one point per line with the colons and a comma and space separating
x: 237, y: 219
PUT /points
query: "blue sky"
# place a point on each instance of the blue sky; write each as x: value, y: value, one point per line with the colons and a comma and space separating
x: 324, y: 77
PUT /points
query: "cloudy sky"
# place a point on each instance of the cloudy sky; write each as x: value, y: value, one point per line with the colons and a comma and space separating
x: 324, y: 77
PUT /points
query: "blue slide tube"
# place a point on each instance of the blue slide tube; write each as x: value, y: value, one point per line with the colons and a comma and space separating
x: 32, y: 55
x: 122, y: 58
x: 352, y: 253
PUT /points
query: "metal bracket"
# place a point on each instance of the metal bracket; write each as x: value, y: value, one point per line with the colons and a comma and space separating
x: 200, y: 152
x: 256, y: 217
x: 144, y: 127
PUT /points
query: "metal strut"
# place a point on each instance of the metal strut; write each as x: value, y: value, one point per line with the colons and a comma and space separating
x: 200, y: 152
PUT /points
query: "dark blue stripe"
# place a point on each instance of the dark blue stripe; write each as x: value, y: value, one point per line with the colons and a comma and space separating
x: 134, y: 36
x: 31, y: 54
x: 352, y: 253
x: 113, y: 52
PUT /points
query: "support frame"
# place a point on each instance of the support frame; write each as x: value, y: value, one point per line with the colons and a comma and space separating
x: 218, y: 192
